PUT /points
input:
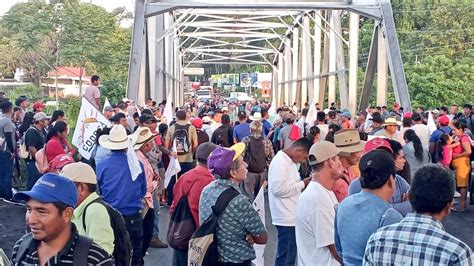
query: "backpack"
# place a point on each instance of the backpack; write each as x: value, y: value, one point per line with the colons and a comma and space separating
x: 41, y: 161
x: 81, y: 249
x: 255, y: 155
x: 203, y: 244
x: 181, y: 137
x: 222, y: 136
x: 122, y: 245
x: 23, y: 151
x: 182, y: 226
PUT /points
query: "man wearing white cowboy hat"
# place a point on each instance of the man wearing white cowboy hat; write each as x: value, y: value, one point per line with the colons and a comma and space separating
x: 142, y: 146
x: 122, y: 183
x: 351, y: 147
x: 390, y: 127
x: 257, y: 116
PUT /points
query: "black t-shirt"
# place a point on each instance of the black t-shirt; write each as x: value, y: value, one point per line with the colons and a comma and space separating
x: 34, y: 138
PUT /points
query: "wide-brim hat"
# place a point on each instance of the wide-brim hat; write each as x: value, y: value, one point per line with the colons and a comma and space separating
x: 117, y: 139
x: 348, y: 141
x: 143, y: 135
x: 391, y: 121
x: 257, y: 116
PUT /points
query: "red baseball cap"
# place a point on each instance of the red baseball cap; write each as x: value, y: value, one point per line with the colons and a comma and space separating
x: 38, y: 105
x: 60, y: 161
x: 443, y: 120
x: 396, y: 104
x: 377, y: 143
x: 407, y: 115
x: 197, y: 122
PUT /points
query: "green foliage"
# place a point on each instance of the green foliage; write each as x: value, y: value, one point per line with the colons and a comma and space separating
x: 71, y: 107
x: 113, y: 90
x: 436, y: 43
x: 38, y: 37
x: 32, y: 92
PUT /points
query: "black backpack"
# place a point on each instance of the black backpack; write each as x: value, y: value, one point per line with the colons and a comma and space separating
x: 182, y: 226
x: 203, y: 244
x: 222, y: 136
x: 181, y: 137
x: 122, y: 245
x: 81, y: 249
x: 255, y: 155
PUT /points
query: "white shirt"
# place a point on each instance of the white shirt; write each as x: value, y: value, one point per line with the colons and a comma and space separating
x: 423, y: 132
x: 284, y: 186
x: 214, y: 126
x: 323, y: 131
x: 315, y: 216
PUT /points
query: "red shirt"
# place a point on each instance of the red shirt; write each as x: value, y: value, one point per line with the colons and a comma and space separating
x: 192, y: 183
x: 56, y: 147
x: 341, y: 187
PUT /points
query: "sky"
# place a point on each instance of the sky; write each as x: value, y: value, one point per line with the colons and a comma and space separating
x: 5, y: 5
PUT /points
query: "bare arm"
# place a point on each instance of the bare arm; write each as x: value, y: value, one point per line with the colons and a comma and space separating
x: 332, y: 249
x: 467, y: 151
x: 261, y: 239
x: 32, y: 151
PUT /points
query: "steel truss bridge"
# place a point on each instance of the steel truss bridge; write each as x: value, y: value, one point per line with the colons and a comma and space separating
x: 311, y: 57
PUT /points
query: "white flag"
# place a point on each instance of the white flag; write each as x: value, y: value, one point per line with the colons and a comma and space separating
x: 106, y: 103
x: 88, y: 121
x: 312, y: 114
x: 368, y: 121
x: 431, y: 123
x: 259, y: 206
x: 168, y: 111
x: 173, y: 167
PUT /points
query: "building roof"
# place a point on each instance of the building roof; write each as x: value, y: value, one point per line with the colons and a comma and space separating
x: 72, y: 72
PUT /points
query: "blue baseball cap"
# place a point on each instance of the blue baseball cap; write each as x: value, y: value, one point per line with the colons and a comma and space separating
x: 51, y: 188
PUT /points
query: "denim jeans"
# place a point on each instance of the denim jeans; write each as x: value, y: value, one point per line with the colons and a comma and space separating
x: 134, y: 224
x: 33, y: 174
x: 180, y: 257
x: 6, y: 175
x: 286, y: 251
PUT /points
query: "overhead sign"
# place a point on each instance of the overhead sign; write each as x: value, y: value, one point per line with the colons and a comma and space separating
x: 194, y: 71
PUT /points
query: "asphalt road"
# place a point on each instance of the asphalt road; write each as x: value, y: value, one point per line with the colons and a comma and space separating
x: 12, y: 228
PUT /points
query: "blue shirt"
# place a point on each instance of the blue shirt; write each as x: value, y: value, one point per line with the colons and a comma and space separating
x: 401, y: 187
x: 357, y: 217
x: 116, y: 185
x: 437, y: 133
x: 237, y: 220
x: 266, y: 127
x: 241, y: 131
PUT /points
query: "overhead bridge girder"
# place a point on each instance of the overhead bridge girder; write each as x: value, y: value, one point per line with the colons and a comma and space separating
x: 310, y: 57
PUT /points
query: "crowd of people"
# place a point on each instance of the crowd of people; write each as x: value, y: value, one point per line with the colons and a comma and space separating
x: 369, y: 189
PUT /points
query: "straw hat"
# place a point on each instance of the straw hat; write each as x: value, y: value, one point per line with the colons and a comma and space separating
x: 391, y: 121
x: 348, y: 141
x: 142, y: 135
x: 116, y: 140
x: 257, y: 116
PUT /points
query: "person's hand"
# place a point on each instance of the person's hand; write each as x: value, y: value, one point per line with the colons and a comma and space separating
x: 249, y: 239
x: 12, y: 154
x: 405, y: 197
x: 156, y: 177
x: 306, y: 181
x: 174, y: 154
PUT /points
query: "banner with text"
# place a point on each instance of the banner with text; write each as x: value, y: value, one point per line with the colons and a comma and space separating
x: 88, y: 121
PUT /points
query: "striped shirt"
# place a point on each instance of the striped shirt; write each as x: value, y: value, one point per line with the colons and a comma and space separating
x: 417, y: 240
x: 96, y: 256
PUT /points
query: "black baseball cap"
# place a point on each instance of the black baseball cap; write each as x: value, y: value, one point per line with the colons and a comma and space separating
x: 376, y: 167
x: 416, y: 117
x: 146, y: 118
x: 377, y: 118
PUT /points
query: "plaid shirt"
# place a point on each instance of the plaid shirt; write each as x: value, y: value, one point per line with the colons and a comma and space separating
x: 268, y: 146
x: 417, y: 240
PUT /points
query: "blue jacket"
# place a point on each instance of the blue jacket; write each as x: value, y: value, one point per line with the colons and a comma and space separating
x: 116, y: 185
